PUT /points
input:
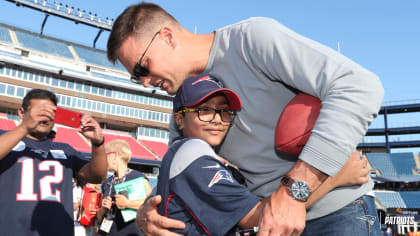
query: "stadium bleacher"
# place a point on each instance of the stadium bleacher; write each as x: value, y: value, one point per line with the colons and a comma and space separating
x: 403, y: 163
x: 71, y: 136
x: 4, y: 35
x: 6, y: 124
x: 40, y: 43
x: 95, y: 56
x: 159, y: 148
x: 390, y: 199
x: 411, y: 199
x: 382, y: 161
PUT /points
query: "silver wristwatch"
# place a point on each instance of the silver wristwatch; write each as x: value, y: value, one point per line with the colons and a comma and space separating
x: 299, y: 190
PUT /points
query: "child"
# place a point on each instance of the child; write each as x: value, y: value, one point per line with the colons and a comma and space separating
x: 196, y: 186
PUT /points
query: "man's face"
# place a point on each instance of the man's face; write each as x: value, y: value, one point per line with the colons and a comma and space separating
x: 43, y: 128
x: 159, y: 59
x: 212, y: 132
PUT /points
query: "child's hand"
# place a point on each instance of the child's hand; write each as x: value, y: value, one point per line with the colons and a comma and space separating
x: 354, y: 172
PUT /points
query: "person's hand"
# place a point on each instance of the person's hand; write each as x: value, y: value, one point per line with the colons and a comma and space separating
x: 121, y: 201
x: 37, y: 114
x: 355, y: 171
x: 90, y: 129
x: 150, y: 222
x: 282, y: 215
x: 107, y: 203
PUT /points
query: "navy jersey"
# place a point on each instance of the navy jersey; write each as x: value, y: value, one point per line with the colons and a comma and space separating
x: 36, y: 188
x: 119, y: 227
x: 199, y: 190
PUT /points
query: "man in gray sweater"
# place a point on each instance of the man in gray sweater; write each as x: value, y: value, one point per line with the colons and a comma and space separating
x: 266, y: 64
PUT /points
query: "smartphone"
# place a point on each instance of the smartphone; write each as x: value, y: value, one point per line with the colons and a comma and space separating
x: 124, y: 193
x: 67, y: 117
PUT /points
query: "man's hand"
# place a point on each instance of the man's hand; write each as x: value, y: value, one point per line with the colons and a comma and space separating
x: 35, y: 115
x: 121, y: 201
x: 90, y: 129
x: 282, y: 215
x: 150, y: 222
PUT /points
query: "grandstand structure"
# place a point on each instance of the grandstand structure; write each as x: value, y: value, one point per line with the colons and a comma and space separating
x: 397, y: 187
x: 387, y: 131
x: 84, y: 81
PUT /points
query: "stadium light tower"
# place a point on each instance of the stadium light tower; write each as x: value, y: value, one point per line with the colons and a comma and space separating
x: 68, y: 13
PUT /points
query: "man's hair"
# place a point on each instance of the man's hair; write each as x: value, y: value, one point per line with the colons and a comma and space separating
x: 121, y: 147
x: 38, y: 94
x: 142, y: 19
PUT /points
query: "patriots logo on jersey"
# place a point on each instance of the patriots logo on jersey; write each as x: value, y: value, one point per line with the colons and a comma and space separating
x: 221, y: 174
x: 43, y: 153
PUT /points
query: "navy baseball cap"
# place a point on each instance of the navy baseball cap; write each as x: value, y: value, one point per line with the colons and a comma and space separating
x: 195, y: 89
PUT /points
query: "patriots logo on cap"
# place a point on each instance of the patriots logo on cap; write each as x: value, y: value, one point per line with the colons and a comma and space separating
x: 221, y: 174
x: 208, y: 78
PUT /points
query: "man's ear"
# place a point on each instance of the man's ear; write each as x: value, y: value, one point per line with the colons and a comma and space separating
x: 179, y: 120
x: 168, y: 35
x: 21, y: 111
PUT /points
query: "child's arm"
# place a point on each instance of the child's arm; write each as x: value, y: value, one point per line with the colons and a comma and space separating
x: 355, y: 171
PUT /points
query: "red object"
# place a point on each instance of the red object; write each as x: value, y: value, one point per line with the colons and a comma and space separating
x: 67, y: 117
x: 91, y: 201
x: 295, y: 124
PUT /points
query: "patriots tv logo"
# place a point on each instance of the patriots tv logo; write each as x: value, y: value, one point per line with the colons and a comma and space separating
x: 221, y: 174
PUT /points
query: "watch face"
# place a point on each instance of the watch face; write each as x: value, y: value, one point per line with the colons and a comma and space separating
x: 300, y: 190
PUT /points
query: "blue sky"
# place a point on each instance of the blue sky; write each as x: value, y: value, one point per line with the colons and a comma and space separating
x: 381, y: 35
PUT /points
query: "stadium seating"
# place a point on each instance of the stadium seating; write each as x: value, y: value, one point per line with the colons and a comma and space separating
x: 137, y: 150
x: 71, y: 136
x: 403, y: 163
x: 94, y: 56
x: 411, y: 199
x: 382, y: 161
x: 159, y: 148
x: 43, y: 44
x: 390, y: 199
x: 4, y: 35
x: 6, y: 124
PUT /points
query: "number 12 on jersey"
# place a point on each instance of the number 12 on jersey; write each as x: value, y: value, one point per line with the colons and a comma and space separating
x: 27, y: 189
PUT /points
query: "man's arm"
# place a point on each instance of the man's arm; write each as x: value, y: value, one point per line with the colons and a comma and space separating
x: 283, y: 215
x: 351, y: 97
x: 95, y: 171
x: 355, y: 171
x: 10, y: 139
x: 30, y: 119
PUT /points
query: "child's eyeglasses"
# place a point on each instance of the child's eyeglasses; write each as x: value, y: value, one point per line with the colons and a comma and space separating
x: 207, y: 114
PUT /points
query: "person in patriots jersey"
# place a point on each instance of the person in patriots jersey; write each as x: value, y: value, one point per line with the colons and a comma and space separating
x: 195, y: 184
x: 36, y: 173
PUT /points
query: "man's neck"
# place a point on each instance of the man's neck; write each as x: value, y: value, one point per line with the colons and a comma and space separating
x: 36, y: 137
x: 200, y: 46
